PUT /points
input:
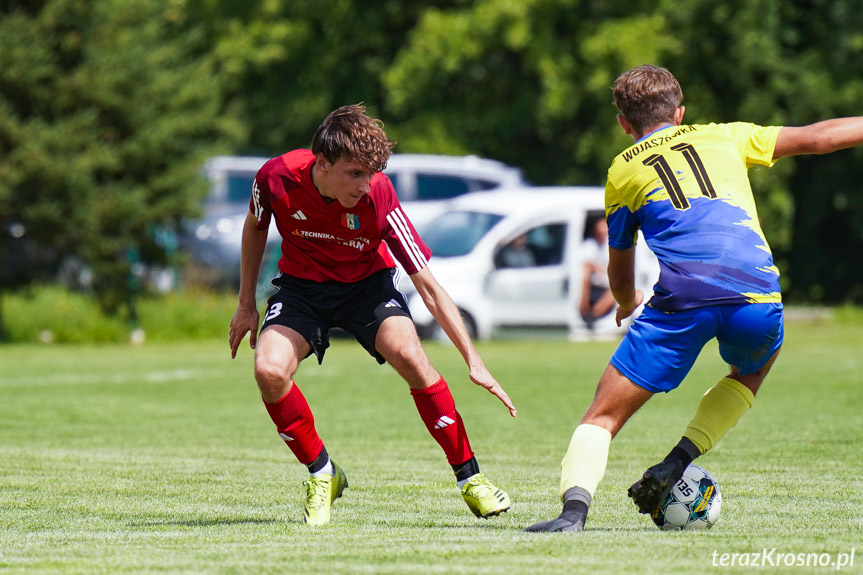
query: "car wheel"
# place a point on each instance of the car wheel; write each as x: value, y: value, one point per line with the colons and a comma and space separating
x: 436, y: 333
x: 469, y: 324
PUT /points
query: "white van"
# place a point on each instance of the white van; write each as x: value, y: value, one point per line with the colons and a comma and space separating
x: 469, y: 241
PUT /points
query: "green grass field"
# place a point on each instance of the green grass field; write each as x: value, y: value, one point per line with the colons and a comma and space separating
x: 161, y: 459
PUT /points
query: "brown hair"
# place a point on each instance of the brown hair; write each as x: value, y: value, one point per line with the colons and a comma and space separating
x: 350, y: 134
x: 647, y: 96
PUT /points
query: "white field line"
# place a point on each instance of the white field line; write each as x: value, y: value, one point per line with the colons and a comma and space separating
x: 116, y: 378
x: 160, y: 376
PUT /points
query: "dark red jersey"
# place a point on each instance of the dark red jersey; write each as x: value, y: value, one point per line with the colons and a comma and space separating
x: 325, y: 241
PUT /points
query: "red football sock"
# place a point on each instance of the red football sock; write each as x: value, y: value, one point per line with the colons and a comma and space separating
x: 437, y: 410
x: 296, y: 425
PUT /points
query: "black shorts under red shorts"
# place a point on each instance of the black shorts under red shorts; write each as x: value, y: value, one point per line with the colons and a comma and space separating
x: 313, y: 308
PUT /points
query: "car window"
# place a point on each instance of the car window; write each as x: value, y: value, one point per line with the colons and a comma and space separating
x: 434, y: 187
x: 240, y: 187
x: 394, y: 178
x: 456, y: 233
x: 590, y: 221
x: 517, y: 253
x: 546, y: 243
x: 483, y: 185
x: 539, y: 246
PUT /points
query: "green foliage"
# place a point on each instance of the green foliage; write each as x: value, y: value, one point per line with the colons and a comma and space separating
x: 181, y: 316
x: 53, y: 315
x: 107, y: 111
x: 288, y: 63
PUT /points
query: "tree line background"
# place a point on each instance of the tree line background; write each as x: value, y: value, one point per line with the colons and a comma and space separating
x: 108, y: 108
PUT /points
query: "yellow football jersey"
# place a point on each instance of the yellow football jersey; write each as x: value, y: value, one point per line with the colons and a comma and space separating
x: 687, y: 189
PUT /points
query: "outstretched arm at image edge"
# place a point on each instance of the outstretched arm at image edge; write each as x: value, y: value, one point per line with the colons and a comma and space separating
x: 819, y: 138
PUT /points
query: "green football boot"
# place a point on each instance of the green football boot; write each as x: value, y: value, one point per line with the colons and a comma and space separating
x: 321, y: 491
x: 483, y: 498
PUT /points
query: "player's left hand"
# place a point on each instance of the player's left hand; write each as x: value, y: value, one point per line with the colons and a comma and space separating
x: 483, y: 378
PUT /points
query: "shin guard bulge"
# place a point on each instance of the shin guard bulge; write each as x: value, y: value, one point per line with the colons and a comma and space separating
x: 436, y: 407
x: 296, y: 425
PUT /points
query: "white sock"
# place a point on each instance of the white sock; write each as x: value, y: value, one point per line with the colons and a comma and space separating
x: 325, y: 470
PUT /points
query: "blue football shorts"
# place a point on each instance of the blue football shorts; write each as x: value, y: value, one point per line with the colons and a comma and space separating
x: 660, y: 347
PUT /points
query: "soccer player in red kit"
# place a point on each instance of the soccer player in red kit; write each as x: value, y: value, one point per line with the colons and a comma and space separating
x: 340, y: 221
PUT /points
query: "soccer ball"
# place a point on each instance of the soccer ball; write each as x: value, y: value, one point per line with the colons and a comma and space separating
x: 693, y: 503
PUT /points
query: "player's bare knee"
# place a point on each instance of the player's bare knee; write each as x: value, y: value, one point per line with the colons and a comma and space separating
x: 752, y: 381
x: 410, y: 355
x: 274, y: 379
x: 412, y: 363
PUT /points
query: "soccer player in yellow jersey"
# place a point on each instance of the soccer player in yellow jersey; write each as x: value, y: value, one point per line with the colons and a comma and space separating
x: 686, y: 188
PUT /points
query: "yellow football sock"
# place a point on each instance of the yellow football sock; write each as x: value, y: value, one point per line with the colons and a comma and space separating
x: 720, y: 409
x: 584, y: 463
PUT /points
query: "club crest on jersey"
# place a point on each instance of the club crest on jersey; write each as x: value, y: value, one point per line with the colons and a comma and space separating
x: 351, y: 221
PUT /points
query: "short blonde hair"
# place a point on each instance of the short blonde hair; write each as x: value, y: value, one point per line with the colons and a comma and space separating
x: 350, y: 134
x: 647, y: 96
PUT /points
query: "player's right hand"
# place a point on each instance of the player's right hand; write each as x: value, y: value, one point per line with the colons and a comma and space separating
x: 481, y: 376
x: 623, y: 313
x: 245, y: 321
